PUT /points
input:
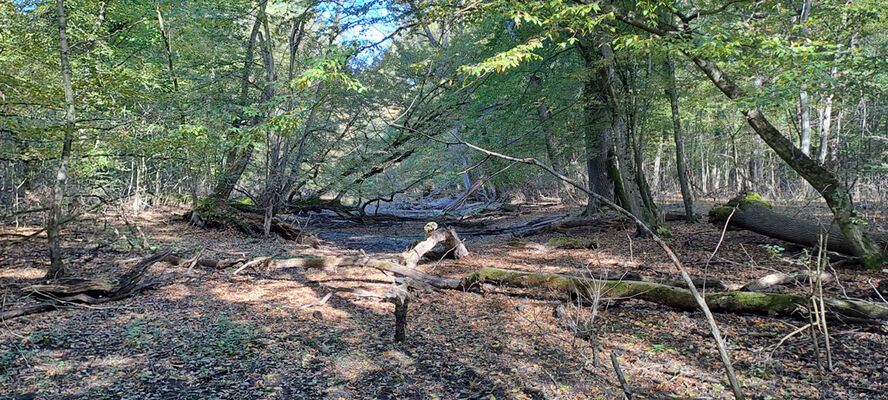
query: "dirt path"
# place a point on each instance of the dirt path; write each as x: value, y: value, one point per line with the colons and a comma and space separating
x: 212, y: 334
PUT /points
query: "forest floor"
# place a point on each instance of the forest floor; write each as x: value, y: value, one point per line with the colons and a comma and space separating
x: 211, y: 334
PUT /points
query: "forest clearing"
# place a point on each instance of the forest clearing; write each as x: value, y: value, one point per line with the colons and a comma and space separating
x: 387, y: 199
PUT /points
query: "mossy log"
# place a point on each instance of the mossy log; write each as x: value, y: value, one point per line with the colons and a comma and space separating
x: 246, y: 218
x: 679, y: 298
x: 751, y: 212
x: 318, y: 205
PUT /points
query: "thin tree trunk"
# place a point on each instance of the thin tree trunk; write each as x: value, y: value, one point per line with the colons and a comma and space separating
x: 56, y: 265
x: 680, y: 163
x: 542, y: 111
x: 805, y: 122
x: 825, y: 124
x: 657, y: 161
x: 804, y: 110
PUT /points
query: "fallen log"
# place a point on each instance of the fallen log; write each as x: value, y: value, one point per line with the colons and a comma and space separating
x: 446, y: 236
x: 602, y: 219
x: 675, y: 216
x: 247, y: 219
x: 679, y: 298
x: 780, y: 278
x: 517, y: 230
x: 71, y: 291
x: 752, y: 213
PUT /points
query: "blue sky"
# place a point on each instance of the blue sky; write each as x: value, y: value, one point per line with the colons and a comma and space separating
x: 370, y: 27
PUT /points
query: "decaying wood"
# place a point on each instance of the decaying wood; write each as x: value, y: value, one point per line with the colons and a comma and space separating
x: 256, y: 262
x: 756, y: 215
x: 249, y: 220
x: 65, y: 292
x: 446, y: 236
x: 327, y: 263
x: 400, y: 297
x: 679, y: 298
x: 601, y: 219
x: 520, y: 229
x: 317, y: 303
x: 780, y: 278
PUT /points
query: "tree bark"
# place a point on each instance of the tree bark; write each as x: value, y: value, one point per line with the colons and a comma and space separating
x: 680, y: 162
x: 679, y: 298
x: 621, y: 133
x: 597, y: 134
x: 751, y: 213
x: 825, y: 124
x: 447, y: 237
x: 240, y: 152
x: 56, y: 265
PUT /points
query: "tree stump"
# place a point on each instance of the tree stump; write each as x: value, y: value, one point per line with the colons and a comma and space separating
x: 399, y: 296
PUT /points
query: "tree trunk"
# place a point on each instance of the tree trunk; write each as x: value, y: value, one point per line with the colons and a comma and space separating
x: 751, y: 213
x: 678, y: 298
x: 657, y: 162
x: 836, y: 194
x: 241, y: 150
x: 542, y: 111
x: 56, y: 265
x: 825, y: 123
x: 597, y: 135
x: 621, y: 132
x: 680, y: 163
x: 805, y: 122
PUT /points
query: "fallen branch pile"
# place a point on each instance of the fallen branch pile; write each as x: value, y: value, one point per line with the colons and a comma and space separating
x: 74, y: 291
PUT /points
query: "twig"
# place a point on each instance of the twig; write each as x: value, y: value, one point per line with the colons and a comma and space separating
x: 254, y: 262
x: 870, y: 282
x: 317, y: 303
x: 791, y: 334
x: 194, y: 261
x: 620, y: 376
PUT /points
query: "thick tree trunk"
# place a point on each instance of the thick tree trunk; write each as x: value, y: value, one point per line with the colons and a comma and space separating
x: 631, y: 186
x: 597, y: 134
x: 56, y: 265
x: 836, y: 194
x: 680, y: 163
x: 751, y: 213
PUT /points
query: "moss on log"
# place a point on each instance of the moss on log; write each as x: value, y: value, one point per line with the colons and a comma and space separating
x: 750, y: 212
x: 679, y: 298
x: 241, y: 215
